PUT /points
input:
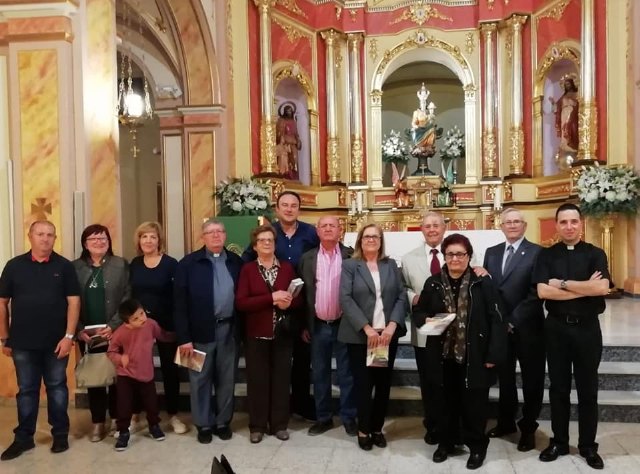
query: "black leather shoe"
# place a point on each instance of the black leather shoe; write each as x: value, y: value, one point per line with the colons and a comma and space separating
x: 500, y: 431
x: 365, y: 442
x: 551, y: 452
x: 60, y: 444
x: 527, y: 442
x: 16, y: 449
x: 379, y: 440
x: 593, y: 459
x: 351, y: 428
x: 320, y: 427
x: 431, y: 438
x: 205, y: 436
x: 441, y: 454
x: 475, y: 460
x: 224, y: 432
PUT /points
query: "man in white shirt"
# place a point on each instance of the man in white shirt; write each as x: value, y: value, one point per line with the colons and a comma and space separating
x: 418, y: 265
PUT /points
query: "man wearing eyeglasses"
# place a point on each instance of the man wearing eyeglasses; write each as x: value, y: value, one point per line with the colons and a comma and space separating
x: 511, y: 265
x: 417, y: 266
x: 320, y: 269
x: 204, y: 317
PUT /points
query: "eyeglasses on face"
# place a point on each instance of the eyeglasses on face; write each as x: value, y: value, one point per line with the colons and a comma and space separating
x: 214, y: 232
x: 514, y: 222
x: 370, y: 237
x: 458, y: 255
x: 97, y: 239
x: 264, y: 241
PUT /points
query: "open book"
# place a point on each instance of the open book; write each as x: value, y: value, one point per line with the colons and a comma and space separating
x: 436, y: 325
x: 378, y: 356
x: 195, y: 362
x: 96, y: 340
x: 295, y: 287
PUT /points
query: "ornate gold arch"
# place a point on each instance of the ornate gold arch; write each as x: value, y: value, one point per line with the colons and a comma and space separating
x: 557, y: 51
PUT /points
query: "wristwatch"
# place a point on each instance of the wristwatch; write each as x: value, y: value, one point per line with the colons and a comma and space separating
x: 563, y: 285
x: 69, y: 336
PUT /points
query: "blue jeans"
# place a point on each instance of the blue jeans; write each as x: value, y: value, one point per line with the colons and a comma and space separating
x: 33, y: 366
x: 324, y: 342
x: 218, y: 372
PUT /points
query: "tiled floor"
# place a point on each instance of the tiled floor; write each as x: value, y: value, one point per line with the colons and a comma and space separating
x: 334, y: 452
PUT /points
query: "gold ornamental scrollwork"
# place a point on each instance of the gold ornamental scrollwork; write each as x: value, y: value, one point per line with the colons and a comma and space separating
x: 516, y: 148
x: 469, y: 92
x: 376, y: 98
x: 489, y: 154
x: 294, y: 71
x: 268, y: 159
x: 373, y: 49
x: 508, y: 46
x: 333, y: 161
x: 556, y: 52
x: 420, y: 14
x: 265, y: 5
x: 356, y: 159
x: 292, y: 6
x: 421, y: 39
x: 293, y: 34
x: 470, y: 42
x: 587, y: 131
x: 554, y: 12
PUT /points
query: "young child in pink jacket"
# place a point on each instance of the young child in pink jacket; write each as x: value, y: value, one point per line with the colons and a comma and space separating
x: 131, y: 351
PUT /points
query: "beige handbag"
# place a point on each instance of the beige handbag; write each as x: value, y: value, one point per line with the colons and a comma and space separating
x: 95, y: 370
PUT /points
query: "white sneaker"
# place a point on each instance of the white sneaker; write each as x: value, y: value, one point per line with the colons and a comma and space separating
x: 178, y: 426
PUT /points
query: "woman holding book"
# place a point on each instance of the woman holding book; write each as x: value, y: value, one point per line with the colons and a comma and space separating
x: 151, y: 275
x: 262, y: 295
x: 461, y: 362
x: 104, y: 279
x: 374, y: 305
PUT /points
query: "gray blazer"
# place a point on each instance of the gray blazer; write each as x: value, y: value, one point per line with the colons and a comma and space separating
x: 307, y: 269
x: 116, y: 283
x: 357, y: 298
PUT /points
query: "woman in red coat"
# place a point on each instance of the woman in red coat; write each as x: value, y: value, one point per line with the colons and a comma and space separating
x: 260, y: 295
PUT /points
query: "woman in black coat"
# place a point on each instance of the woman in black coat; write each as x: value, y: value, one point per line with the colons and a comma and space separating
x: 462, y: 360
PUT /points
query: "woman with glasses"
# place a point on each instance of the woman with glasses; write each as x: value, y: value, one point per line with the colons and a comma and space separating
x: 104, y: 280
x: 461, y: 361
x: 263, y: 298
x: 374, y: 306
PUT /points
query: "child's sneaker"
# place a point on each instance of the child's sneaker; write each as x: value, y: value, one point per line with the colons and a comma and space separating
x: 156, y: 433
x: 123, y: 441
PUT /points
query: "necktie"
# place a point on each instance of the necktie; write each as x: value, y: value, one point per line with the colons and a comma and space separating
x: 435, y: 263
x: 508, y: 259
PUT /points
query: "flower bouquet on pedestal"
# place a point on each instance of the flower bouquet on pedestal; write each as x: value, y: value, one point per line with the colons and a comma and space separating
x: 451, y: 150
x: 605, y: 191
x: 394, y: 151
x: 244, y: 197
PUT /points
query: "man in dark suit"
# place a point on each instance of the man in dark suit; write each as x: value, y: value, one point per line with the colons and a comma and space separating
x: 511, y: 267
x: 320, y: 269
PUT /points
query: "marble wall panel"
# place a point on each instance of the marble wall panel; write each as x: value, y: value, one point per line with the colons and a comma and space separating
x: 202, y: 179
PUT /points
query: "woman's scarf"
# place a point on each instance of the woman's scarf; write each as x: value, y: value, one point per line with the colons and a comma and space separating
x: 456, y: 334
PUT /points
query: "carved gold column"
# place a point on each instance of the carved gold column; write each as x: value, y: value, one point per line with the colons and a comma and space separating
x: 587, y: 113
x: 489, y: 144
x: 516, y: 132
x: 357, y: 146
x: 268, y: 160
x: 331, y: 37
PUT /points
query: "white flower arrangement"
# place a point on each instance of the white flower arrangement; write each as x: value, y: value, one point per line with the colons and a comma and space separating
x: 394, y: 149
x: 244, y: 197
x: 608, y: 190
x: 453, y: 146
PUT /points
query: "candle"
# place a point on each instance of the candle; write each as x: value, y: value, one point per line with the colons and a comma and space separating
x: 497, y: 197
x: 359, y: 201
x: 353, y: 203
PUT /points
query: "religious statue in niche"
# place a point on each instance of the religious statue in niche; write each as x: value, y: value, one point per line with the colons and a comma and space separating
x: 288, y: 141
x: 566, y: 121
x: 424, y: 132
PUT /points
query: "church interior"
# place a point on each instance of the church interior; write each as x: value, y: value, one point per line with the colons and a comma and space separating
x: 123, y: 111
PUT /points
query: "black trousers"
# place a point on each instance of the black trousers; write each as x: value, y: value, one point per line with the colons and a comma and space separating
x: 130, y: 389
x: 101, y: 399
x: 302, y: 402
x: 463, y: 410
x: 526, y: 345
x: 371, y: 411
x: 429, y: 392
x: 268, y: 369
x: 577, y: 344
x: 170, y: 375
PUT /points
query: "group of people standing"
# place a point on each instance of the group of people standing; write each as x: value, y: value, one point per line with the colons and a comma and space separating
x: 353, y: 300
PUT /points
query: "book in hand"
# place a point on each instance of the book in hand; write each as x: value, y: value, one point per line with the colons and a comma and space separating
x: 378, y: 356
x: 295, y: 287
x: 194, y: 362
x: 435, y: 325
x: 96, y: 339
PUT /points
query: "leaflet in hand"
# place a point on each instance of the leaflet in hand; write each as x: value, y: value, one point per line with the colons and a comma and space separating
x: 96, y: 339
x: 194, y: 362
x: 436, y: 325
x: 295, y: 287
x: 378, y: 356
